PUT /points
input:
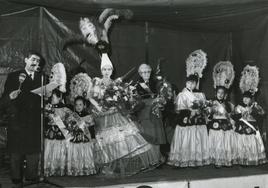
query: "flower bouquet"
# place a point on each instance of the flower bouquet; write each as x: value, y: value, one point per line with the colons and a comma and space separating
x: 75, y: 127
x: 200, y: 108
x: 164, y: 94
x: 122, y: 96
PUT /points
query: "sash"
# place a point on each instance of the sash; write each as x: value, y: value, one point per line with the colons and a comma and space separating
x: 82, y: 125
x: 57, y: 120
x: 258, y: 135
x: 145, y: 87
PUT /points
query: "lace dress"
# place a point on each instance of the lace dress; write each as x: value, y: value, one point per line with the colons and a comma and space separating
x: 221, y: 134
x: 120, y: 148
x: 249, y: 144
x: 189, y: 146
x: 68, y: 149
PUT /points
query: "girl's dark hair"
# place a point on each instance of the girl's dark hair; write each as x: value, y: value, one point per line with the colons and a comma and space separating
x: 80, y: 98
x: 193, y: 78
x: 248, y: 94
x: 57, y: 92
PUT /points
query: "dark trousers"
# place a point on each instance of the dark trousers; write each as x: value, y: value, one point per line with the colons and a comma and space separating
x: 17, y: 171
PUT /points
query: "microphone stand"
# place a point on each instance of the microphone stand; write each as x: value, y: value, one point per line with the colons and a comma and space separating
x: 42, y: 178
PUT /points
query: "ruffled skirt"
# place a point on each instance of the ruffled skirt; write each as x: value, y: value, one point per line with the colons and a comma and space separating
x: 62, y: 157
x: 55, y: 156
x: 189, y: 147
x: 120, y: 148
x: 221, y: 147
x: 80, y: 159
x: 249, y: 150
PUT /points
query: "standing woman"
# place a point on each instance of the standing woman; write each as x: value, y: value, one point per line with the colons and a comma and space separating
x: 151, y: 125
x: 189, y: 147
x: 221, y: 133
x: 120, y: 148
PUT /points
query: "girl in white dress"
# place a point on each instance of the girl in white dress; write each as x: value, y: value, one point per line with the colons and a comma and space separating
x: 250, y: 148
x: 221, y: 133
x: 189, y: 147
x: 68, y: 150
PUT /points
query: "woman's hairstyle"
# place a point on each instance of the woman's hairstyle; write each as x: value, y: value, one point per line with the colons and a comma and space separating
x: 144, y: 65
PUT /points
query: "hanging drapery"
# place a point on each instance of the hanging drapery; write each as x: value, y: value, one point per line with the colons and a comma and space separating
x: 4, y: 71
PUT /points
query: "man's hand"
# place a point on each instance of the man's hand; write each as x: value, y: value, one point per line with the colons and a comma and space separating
x: 14, y: 94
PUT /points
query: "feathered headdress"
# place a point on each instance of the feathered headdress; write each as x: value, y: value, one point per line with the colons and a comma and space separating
x: 58, y: 76
x: 80, y: 85
x: 95, y: 30
x: 249, y: 80
x: 223, y: 74
x: 195, y: 63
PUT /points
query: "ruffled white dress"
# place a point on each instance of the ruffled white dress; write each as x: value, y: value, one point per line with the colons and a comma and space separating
x: 249, y: 148
x: 221, y: 137
x: 189, y: 146
x: 67, y: 152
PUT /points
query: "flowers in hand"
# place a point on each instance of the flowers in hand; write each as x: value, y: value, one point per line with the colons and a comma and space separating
x: 121, y: 95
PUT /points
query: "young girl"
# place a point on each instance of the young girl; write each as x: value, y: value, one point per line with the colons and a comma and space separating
x: 55, y: 144
x: 189, y: 147
x: 67, y: 148
x: 80, y: 108
x: 221, y: 130
x: 250, y: 147
x: 221, y: 134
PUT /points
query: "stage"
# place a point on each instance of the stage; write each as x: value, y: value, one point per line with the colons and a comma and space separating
x: 168, y: 177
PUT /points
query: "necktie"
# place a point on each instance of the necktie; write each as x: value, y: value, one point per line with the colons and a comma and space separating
x: 31, y: 75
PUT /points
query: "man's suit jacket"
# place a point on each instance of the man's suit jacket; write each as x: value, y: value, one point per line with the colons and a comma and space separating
x: 24, y: 112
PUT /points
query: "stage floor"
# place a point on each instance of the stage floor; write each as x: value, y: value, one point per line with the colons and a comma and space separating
x: 164, y: 173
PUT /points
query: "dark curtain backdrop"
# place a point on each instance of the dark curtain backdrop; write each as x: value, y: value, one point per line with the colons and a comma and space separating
x: 46, y: 31
x: 243, y: 41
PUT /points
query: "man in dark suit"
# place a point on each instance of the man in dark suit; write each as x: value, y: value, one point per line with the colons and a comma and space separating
x: 24, y: 123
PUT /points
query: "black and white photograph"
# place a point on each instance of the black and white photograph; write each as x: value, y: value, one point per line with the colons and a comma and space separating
x: 133, y: 93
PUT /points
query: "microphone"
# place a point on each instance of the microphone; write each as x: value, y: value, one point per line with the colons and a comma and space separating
x: 22, y: 77
x: 37, y: 69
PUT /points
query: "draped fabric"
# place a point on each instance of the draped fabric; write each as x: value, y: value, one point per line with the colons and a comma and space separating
x: 3, y: 76
x: 233, y: 30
